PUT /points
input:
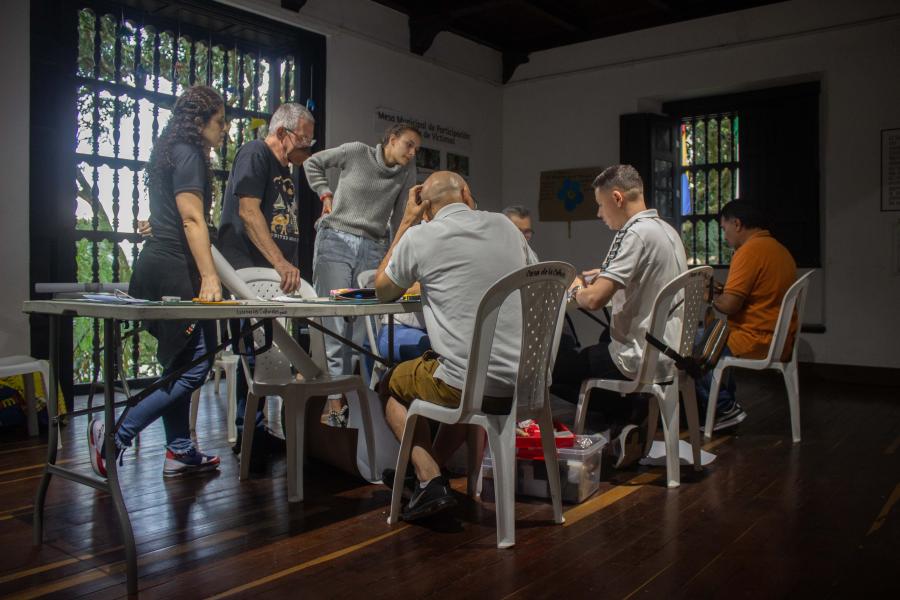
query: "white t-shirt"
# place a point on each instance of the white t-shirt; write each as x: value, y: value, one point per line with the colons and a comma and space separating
x: 456, y: 257
x: 645, y: 255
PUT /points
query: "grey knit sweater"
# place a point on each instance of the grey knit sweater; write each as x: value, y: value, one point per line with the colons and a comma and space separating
x: 369, y: 196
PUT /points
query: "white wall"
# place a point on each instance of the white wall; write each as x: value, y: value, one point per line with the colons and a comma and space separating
x: 562, y: 109
x: 14, y: 111
x: 369, y: 66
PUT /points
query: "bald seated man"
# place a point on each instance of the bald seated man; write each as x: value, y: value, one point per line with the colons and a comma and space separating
x: 456, y: 253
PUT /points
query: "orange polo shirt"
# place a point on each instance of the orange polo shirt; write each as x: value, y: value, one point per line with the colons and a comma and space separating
x: 761, y: 272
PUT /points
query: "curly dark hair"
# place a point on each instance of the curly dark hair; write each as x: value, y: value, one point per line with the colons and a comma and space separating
x: 193, y: 109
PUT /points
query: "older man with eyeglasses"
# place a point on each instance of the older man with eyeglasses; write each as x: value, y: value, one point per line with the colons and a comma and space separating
x: 259, y: 215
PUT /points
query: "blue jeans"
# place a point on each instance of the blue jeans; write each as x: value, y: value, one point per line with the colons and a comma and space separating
x: 726, y: 390
x: 409, y: 343
x: 172, y: 402
x: 338, y: 260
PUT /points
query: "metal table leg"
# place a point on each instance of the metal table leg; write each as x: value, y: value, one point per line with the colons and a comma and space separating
x: 111, y: 483
x: 52, y: 433
x: 390, y: 325
x: 110, y: 371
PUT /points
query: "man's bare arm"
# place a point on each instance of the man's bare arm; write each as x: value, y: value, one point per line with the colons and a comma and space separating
x: 258, y: 232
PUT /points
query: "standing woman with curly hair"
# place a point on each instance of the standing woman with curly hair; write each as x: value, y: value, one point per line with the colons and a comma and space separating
x: 176, y: 261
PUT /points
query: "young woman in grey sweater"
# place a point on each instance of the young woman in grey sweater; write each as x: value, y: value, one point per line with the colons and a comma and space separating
x: 357, y: 218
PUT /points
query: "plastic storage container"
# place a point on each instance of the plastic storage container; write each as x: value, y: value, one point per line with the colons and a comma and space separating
x: 579, y: 473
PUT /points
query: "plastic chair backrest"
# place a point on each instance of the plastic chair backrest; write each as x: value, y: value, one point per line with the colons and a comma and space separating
x: 271, y: 365
x: 792, y: 304
x: 366, y: 279
x: 541, y: 288
x: 690, y: 285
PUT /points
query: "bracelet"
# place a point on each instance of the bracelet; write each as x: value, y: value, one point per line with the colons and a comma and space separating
x: 326, y: 195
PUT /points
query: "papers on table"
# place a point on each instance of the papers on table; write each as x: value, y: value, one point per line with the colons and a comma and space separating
x: 114, y: 299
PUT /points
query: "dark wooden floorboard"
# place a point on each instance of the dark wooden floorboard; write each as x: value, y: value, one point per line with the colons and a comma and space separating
x: 767, y: 519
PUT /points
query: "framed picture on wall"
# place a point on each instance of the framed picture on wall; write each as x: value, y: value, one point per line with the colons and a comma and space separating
x: 890, y: 169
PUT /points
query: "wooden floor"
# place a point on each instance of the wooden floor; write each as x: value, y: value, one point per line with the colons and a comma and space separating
x: 767, y: 520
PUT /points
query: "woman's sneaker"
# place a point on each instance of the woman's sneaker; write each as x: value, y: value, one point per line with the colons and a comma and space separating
x: 189, y: 462
x: 95, y: 432
x: 97, y: 447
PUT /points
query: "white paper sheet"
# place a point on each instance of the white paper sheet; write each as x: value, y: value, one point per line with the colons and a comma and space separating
x: 657, y: 456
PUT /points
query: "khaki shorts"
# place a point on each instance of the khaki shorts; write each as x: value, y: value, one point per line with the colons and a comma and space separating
x: 414, y: 379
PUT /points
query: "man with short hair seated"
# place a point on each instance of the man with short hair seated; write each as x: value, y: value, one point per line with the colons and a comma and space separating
x: 456, y: 255
x: 761, y: 272
x: 645, y: 255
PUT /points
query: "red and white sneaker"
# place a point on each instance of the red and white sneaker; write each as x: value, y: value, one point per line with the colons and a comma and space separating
x: 95, y: 432
x: 189, y: 462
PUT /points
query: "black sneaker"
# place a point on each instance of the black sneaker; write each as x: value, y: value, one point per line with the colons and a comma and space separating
x: 434, y: 497
x: 409, y: 482
x: 728, y: 418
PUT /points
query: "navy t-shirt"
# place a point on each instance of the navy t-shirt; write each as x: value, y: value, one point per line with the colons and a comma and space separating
x: 257, y: 173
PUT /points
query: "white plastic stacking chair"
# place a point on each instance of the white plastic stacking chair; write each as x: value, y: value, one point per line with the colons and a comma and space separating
x: 692, y: 286
x: 792, y: 304
x: 272, y: 376
x: 541, y: 287
x: 12, y: 366
x: 366, y: 279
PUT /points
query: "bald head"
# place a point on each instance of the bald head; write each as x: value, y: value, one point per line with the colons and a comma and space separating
x: 443, y: 188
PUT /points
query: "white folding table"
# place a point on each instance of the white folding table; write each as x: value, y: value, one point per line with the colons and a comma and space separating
x: 112, y: 314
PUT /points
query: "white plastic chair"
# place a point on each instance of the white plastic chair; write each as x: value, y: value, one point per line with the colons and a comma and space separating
x: 541, y: 288
x: 692, y: 286
x: 226, y: 363
x: 792, y: 304
x: 366, y: 279
x: 12, y: 366
x: 272, y: 376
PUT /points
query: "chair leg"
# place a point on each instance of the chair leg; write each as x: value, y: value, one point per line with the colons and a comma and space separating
x: 195, y: 408
x: 718, y: 374
x: 247, y: 436
x: 792, y: 383
x: 30, y: 404
x: 551, y: 461
x: 400, y: 473
x: 668, y: 406
x: 368, y: 431
x: 652, y: 424
x: 689, y: 398
x: 231, y: 402
x: 581, y: 411
x: 295, y: 417
x: 474, y: 459
x: 501, y: 437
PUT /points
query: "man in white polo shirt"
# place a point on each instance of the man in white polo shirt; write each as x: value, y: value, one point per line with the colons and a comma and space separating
x: 645, y: 255
x: 456, y: 255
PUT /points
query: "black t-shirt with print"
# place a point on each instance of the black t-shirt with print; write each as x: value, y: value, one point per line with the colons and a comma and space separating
x: 257, y: 173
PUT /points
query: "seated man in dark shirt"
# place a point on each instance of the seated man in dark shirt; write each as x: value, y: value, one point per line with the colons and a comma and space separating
x: 259, y: 215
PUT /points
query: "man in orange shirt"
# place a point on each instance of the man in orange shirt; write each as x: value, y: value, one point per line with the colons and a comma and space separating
x: 761, y: 272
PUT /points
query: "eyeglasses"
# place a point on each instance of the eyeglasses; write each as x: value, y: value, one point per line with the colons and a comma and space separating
x: 305, y: 142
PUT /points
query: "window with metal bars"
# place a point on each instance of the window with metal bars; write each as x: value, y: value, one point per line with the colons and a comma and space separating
x: 130, y: 65
x: 709, y: 175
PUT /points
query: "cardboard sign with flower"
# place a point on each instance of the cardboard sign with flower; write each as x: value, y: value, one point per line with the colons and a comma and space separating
x: 566, y: 195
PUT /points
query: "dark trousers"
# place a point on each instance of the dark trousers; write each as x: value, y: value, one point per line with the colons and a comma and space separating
x: 573, y: 366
